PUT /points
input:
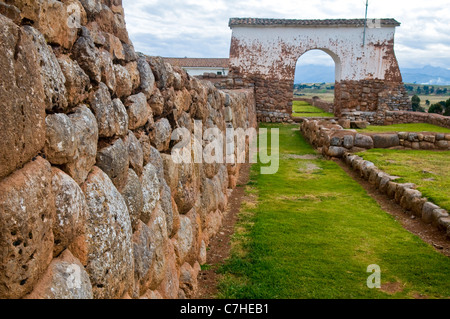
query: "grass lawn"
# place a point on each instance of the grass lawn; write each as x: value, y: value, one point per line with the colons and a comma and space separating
x: 430, y: 171
x: 412, y: 127
x: 304, y: 109
x: 310, y: 231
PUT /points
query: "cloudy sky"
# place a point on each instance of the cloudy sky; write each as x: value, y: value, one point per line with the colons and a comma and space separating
x: 199, y: 28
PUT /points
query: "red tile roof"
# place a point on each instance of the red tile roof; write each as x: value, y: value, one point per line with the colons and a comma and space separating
x: 198, y: 62
x: 307, y: 23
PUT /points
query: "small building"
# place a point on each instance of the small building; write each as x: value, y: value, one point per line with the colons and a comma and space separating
x: 200, y: 66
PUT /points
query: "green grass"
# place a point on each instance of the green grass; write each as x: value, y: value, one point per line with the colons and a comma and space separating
x: 310, y: 231
x: 412, y: 127
x: 303, y: 109
x: 427, y: 169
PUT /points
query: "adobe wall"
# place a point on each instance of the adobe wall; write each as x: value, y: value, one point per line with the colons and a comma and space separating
x: 91, y: 203
x: 264, y: 52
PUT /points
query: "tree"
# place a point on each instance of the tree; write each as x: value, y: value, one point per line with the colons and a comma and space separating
x: 436, y: 108
x: 415, y: 101
x: 427, y: 102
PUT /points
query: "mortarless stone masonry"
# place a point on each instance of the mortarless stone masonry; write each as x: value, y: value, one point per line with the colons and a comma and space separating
x: 91, y: 203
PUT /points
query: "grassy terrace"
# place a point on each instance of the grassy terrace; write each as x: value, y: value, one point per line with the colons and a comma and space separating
x: 427, y: 169
x: 413, y: 127
x: 310, y: 231
x: 303, y: 109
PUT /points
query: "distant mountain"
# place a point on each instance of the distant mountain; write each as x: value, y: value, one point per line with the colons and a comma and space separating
x: 312, y: 73
x: 427, y: 75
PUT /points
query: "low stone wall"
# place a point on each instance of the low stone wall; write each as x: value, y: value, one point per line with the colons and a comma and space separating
x: 336, y: 141
x: 416, y: 117
x: 323, y: 105
x: 406, y: 195
x: 91, y: 203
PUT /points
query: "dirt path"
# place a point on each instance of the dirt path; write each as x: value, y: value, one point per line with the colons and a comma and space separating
x: 427, y: 233
x: 220, y: 245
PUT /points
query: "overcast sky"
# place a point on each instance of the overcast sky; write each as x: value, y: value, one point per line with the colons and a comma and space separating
x: 199, y: 28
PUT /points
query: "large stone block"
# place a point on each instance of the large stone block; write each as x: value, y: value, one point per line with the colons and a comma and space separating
x: 108, y: 238
x: 113, y: 160
x: 111, y: 115
x: 132, y: 194
x: 61, y: 142
x: 386, y: 140
x: 151, y: 190
x: 71, y: 210
x: 86, y: 131
x: 27, y: 212
x: 138, y: 111
x: 86, y: 54
x: 77, y: 82
x: 52, y: 77
x: 22, y: 114
x: 65, y: 278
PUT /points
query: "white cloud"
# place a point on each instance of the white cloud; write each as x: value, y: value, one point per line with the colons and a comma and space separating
x: 199, y: 28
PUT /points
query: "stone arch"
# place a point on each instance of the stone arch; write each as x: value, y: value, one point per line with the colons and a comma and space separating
x: 264, y: 53
x: 333, y: 55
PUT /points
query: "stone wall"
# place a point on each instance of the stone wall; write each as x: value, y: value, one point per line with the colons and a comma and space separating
x: 91, y: 203
x: 335, y: 142
x: 317, y: 102
x: 370, y: 96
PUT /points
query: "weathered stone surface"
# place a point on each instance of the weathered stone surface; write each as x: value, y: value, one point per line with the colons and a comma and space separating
x: 107, y: 70
x: 159, y: 70
x: 86, y: 132
x: 144, y: 250
x: 124, y: 86
x: 22, y: 114
x: 11, y: 12
x: 188, y: 279
x: 170, y: 172
x: 348, y: 141
x: 166, y: 206
x: 363, y: 141
x: 156, y: 102
x: 61, y: 142
x: 147, y: 78
x: 86, y: 54
x: 132, y: 194
x: 427, y: 212
x: 52, y: 77
x: 135, y: 152
x: 132, y: 68
x: 108, y: 241
x: 113, y: 160
x: 170, y: 284
x: 335, y: 151
x: 442, y: 144
x: 151, y: 190
x: 26, y: 238
x: 112, y: 117
x: 71, y: 210
x: 65, y: 278
x: 385, y: 140
x: 161, y: 135
x: 77, y: 82
x: 114, y: 47
x: 138, y: 111
x: 187, y: 188
x: 185, y: 239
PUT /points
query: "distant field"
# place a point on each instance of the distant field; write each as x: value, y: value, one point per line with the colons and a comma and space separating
x: 413, y: 127
x: 328, y: 97
x: 303, y: 109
